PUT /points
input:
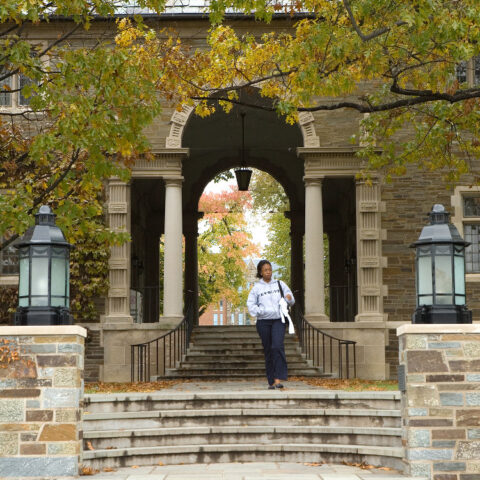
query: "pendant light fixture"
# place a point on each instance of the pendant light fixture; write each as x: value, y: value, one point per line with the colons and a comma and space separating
x: 243, y: 173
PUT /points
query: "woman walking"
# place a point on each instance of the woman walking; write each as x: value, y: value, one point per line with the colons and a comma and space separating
x: 264, y: 303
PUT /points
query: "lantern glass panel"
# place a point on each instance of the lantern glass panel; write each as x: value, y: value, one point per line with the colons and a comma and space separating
x: 39, y: 276
x: 24, y: 279
x: 443, y: 280
x: 58, y: 282
x: 459, y: 280
x: 425, y: 277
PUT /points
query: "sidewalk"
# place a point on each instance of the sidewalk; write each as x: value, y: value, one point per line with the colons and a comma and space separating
x: 250, y: 471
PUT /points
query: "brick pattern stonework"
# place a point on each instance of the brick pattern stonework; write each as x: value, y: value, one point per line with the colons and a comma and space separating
x: 441, y: 402
x: 41, y: 399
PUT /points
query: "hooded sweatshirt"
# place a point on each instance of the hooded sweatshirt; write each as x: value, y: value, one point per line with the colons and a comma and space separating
x: 264, y: 297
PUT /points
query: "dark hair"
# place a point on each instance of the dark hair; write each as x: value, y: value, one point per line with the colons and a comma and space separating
x: 260, y: 264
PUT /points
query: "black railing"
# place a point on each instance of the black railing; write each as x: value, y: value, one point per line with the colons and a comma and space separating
x: 154, y: 357
x: 327, y: 352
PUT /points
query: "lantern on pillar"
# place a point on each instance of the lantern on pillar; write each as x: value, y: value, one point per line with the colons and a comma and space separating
x: 242, y: 173
x: 43, y: 293
x: 440, y: 272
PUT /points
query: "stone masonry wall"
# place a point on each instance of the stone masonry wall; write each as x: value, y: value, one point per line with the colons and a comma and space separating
x: 41, y: 397
x: 441, y: 402
x: 408, y: 201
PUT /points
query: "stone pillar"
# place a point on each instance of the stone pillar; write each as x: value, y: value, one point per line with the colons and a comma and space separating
x: 151, y: 311
x: 441, y: 400
x: 191, y: 260
x: 369, y: 250
x: 173, y: 272
x: 118, y: 208
x: 297, y: 230
x: 314, y: 252
x: 41, y: 401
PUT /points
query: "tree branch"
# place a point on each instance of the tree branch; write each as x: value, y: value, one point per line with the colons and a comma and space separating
x: 371, y: 35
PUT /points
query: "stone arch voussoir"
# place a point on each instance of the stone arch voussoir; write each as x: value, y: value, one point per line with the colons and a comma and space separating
x: 179, y: 119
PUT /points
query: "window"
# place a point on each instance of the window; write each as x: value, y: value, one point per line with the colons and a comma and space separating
x: 5, y: 87
x: 221, y: 319
x: 466, y: 218
x: 221, y: 305
x: 469, y: 71
x: 9, y: 261
x: 14, y: 99
x: 240, y: 318
x: 215, y: 318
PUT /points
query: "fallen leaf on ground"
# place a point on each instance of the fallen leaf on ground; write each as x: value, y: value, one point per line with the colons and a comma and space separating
x: 161, y: 464
x: 90, y: 446
x: 109, y: 469
x: 134, y: 466
x: 88, y: 471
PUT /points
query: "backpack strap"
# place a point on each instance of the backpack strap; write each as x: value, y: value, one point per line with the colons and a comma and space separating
x: 281, y: 289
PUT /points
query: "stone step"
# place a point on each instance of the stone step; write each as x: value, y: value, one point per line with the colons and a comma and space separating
x: 235, y: 341
x: 234, y: 373
x: 158, y: 401
x: 225, y: 350
x: 234, y: 362
x: 256, y: 452
x: 103, y: 439
x: 237, y: 417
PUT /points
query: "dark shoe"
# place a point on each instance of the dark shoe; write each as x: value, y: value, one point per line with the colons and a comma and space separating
x: 271, y: 387
x: 278, y: 385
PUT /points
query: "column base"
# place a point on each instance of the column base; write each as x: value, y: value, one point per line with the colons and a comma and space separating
x: 109, y: 319
x: 370, y: 317
x: 317, y: 318
x: 169, y: 321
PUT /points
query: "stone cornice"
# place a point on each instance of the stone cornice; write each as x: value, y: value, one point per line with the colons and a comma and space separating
x: 29, y: 330
x: 166, y: 164
x: 460, y: 328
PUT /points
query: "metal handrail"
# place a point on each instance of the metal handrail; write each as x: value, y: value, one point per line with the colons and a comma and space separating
x: 171, y: 346
x: 309, y: 338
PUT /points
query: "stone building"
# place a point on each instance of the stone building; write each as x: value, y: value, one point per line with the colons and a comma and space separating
x: 370, y: 227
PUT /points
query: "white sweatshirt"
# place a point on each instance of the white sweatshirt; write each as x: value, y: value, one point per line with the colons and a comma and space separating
x: 264, y: 297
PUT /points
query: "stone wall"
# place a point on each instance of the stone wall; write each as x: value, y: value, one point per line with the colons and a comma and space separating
x: 441, y: 401
x: 41, y: 399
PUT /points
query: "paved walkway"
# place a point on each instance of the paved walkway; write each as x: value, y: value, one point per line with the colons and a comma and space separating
x: 251, y: 471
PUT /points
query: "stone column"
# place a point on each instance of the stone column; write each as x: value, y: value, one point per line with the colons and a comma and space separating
x: 369, y: 252
x: 173, y: 273
x: 41, y: 401
x: 118, y: 208
x: 314, y: 252
x: 151, y: 293
x: 191, y: 260
x: 439, y: 377
x: 297, y: 230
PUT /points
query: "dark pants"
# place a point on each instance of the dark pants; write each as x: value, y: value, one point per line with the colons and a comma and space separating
x: 272, y: 333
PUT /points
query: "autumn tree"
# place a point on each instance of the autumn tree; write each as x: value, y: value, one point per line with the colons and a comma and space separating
x: 78, y: 119
x: 392, y: 64
x: 223, y: 245
x: 271, y: 202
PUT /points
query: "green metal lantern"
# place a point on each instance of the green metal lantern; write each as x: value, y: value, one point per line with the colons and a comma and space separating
x: 440, y: 272
x: 44, y: 292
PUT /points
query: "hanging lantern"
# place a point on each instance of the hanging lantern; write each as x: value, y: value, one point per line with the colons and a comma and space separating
x: 243, y: 173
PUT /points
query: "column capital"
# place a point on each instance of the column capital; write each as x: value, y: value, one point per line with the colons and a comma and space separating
x: 313, y: 181
x: 367, y: 181
x: 173, y: 181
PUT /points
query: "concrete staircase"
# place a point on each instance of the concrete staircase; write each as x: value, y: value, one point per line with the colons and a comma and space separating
x: 94, y: 356
x: 242, y: 426
x: 235, y: 352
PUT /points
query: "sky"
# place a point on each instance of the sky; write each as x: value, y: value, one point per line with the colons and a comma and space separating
x: 256, y: 224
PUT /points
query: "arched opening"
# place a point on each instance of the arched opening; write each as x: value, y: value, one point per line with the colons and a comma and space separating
x: 214, y: 145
